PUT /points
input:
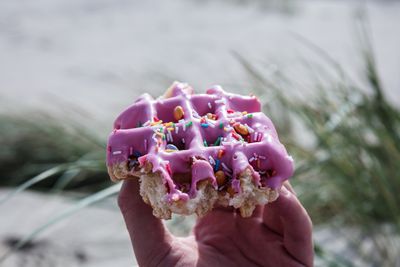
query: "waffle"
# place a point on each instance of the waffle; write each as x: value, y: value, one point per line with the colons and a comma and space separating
x: 192, y: 152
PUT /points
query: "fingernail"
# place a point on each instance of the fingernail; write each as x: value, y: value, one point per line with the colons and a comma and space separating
x: 284, y: 191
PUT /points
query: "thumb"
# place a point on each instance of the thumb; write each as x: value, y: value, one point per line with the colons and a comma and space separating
x: 287, y: 217
x: 150, y: 239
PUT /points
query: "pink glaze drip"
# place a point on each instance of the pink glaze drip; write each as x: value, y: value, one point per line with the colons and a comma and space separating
x: 265, y: 154
x: 201, y: 170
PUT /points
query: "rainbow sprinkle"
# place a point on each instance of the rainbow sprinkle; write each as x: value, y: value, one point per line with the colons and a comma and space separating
x: 218, y: 141
x: 217, y: 162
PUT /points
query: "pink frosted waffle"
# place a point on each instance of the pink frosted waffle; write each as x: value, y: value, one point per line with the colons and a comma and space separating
x: 194, y: 151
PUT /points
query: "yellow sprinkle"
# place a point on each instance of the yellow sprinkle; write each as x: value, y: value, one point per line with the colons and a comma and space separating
x: 171, y: 129
x: 156, y: 123
x: 244, y: 112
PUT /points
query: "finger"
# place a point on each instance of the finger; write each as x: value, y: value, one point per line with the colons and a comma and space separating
x: 258, y: 212
x: 269, y: 217
x: 220, y: 219
x: 287, y: 217
x: 149, y: 237
x: 289, y: 187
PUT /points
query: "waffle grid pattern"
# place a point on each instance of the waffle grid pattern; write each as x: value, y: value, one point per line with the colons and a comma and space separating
x: 227, y: 130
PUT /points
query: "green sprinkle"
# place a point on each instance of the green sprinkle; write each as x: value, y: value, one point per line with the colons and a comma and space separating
x: 190, y: 123
x: 163, y: 138
x: 205, y: 143
x: 218, y: 141
x: 249, y: 116
x: 221, y: 125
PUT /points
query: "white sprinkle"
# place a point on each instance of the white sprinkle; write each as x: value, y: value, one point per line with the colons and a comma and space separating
x: 184, y: 127
x: 262, y: 157
x: 256, y: 136
x: 220, y: 101
x: 195, y: 114
x: 146, y: 123
x: 252, y: 159
x: 117, y: 152
x: 181, y: 121
x: 212, y: 161
x: 249, y: 128
x: 290, y: 158
x: 170, y: 136
x: 225, y: 167
x: 269, y: 138
x: 209, y: 105
x: 183, y: 140
x: 177, y: 129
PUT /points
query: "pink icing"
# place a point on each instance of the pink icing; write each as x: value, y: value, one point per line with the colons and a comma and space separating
x: 264, y: 154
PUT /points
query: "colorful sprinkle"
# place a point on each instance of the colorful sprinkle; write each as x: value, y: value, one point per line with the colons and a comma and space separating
x: 236, y: 136
x: 221, y: 152
x: 205, y: 143
x: 117, y: 152
x: 171, y: 148
x: 178, y: 113
x: 204, y: 125
x: 211, y: 159
x: 218, y: 141
x: 209, y: 105
x: 168, y: 168
x: 217, y: 162
x: 221, y: 125
x: 249, y: 116
x: 190, y: 123
x: 226, y: 168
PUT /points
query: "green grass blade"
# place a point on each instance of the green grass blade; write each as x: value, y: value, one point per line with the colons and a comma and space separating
x: 38, y: 178
x: 87, y: 201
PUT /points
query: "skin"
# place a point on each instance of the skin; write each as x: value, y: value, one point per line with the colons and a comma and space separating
x: 277, y: 234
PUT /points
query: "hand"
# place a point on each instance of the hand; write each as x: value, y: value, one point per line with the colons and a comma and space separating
x: 277, y: 234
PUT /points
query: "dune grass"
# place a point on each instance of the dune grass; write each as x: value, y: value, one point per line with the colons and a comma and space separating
x: 349, y: 175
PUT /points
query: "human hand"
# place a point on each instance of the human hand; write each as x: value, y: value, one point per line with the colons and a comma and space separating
x: 277, y: 234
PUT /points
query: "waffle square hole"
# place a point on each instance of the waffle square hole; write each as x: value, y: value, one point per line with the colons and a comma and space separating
x: 212, y: 136
x: 165, y: 109
x: 134, y: 116
x: 203, y: 104
x: 178, y: 138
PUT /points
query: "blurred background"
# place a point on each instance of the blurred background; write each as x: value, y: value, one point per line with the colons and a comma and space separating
x: 327, y: 72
